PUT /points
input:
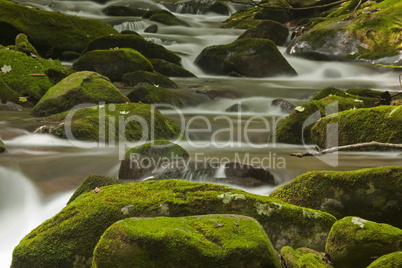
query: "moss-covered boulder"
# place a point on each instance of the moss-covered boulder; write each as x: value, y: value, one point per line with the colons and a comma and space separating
x: 69, y: 238
x: 252, y: 57
x: 51, y: 33
x: 7, y: 94
x: 391, y: 260
x: 381, y: 124
x: 151, y: 94
x: 92, y: 182
x: 167, y: 68
x: 304, y: 257
x: 354, y: 242
x: 372, y: 32
x: 22, y: 44
x: 25, y: 75
x: 152, y: 78
x: 268, y: 29
x: 197, y: 241
x: 114, y: 122
x: 150, y: 157
x: 78, y: 88
x: 372, y: 193
x: 146, y: 48
x: 296, y: 127
x: 2, y: 147
x: 113, y: 63
x: 164, y: 17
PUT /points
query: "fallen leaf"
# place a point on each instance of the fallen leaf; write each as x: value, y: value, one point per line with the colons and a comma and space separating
x: 300, y: 109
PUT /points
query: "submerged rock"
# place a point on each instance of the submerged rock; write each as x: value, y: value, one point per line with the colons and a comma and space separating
x: 381, y: 124
x: 285, y: 106
x: 153, y: 78
x: 11, y: 106
x: 371, y: 193
x: 252, y: 57
x: 114, y: 122
x: 241, y: 170
x: 390, y: 260
x: 196, y: 241
x: 60, y: 33
x: 151, y: 94
x: 78, y: 88
x: 353, y: 242
x: 238, y: 107
x: 145, y: 159
x: 123, y: 11
x: 113, y: 63
x: 148, y: 49
x: 268, y: 29
x: 69, y: 238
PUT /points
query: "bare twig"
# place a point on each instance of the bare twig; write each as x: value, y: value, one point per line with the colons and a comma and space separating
x: 357, y: 6
x: 349, y: 147
x: 290, y: 8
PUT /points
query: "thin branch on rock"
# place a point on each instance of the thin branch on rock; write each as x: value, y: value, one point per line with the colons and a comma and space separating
x: 349, y: 147
x: 290, y: 8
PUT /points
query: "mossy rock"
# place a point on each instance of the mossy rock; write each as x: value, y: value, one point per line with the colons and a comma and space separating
x: 303, y: 257
x: 136, y: 77
x: 242, y: 19
x: 372, y: 32
x: 169, y: 69
x: 113, y: 63
x: 27, y: 76
x: 51, y: 33
x: 167, y: 18
x: 78, y: 88
x: 144, y: 159
x: 197, y: 241
x: 69, y: 238
x: 354, y: 242
x: 381, y: 124
x: 372, y: 193
x: 296, y: 128
x: 114, y: 122
x: 218, y: 7
x: 90, y: 183
x: 22, y: 44
x: 391, y: 260
x: 268, y: 29
x: 146, y: 48
x: 252, y: 57
x: 2, y: 147
x: 7, y: 94
x: 123, y: 11
x: 151, y: 94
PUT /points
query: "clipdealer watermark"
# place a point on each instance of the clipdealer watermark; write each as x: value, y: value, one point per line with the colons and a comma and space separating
x: 238, y: 132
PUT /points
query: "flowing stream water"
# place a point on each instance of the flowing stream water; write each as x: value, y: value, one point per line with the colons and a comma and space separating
x: 39, y: 172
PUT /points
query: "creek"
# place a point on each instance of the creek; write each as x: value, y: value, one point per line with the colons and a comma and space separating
x: 39, y: 172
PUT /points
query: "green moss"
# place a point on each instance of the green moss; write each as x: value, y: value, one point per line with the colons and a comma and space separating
x: 102, y: 122
x: 50, y: 32
x: 159, y: 148
x: 199, y: 241
x: 90, y: 183
x: 22, y: 44
x: 7, y: 94
x: 136, y: 77
x: 381, y: 124
x: 74, y: 232
x: 78, y: 88
x: 343, y: 193
x: 113, y: 63
x: 170, y: 69
x: 353, y: 242
x: 152, y: 95
x: 167, y: 19
x: 20, y: 78
x: 303, y: 257
x: 242, y: 19
x: 268, y: 29
x: 390, y: 260
x: 2, y: 147
x: 136, y: 42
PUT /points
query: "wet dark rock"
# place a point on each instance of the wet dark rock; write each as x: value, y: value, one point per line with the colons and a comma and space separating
x: 214, y: 94
x: 240, y: 170
x: 164, y: 17
x: 243, y: 182
x: 70, y: 55
x: 170, y: 69
x: 147, y: 93
x: 332, y: 73
x: 218, y: 7
x: 251, y: 57
x: 285, y: 106
x: 238, y: 107
x: 197, y: 7
x: 192, y: 171
x: 268, y: 29
x: 123, y: 11
x: 151, y: 29
x: 11, y: 106
x: 152, y: 78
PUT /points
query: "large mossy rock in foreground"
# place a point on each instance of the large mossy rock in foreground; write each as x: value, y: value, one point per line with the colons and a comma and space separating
x: 27, y: 76
x: 114, y: 122
x: 49, y: 32
x: 303, y: 257
x: 391, y: 260
x: 113, y: 63
x: 197, y: 241
x: 148, y: 49
x: 252, y: 57
x: 149, y: 157
x: 354, y: 242
x: 381, y: 124
x: 69, y: 238
x: 78, y: 88
x: 370, y: 32
x: 373, y: 193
